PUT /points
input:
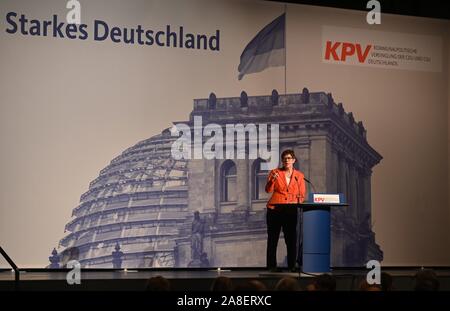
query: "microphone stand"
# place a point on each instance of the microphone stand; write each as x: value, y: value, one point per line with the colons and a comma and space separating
x: 312, y: 186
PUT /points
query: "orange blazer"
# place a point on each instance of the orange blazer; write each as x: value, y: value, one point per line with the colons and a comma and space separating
x: 295, y: 192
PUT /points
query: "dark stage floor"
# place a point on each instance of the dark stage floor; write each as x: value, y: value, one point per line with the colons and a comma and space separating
x: 196, y: 280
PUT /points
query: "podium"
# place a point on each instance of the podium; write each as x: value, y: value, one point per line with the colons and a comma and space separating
x: 316, y: 235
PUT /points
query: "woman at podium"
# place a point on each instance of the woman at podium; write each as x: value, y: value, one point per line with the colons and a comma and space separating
x: 287, y: 187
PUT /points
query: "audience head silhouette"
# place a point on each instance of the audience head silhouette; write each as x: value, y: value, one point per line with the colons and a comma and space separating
x: 222, y: 284
x: 158, y: 284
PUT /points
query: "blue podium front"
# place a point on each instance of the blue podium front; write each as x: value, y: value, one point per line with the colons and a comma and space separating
x: 316, y: 239
x: 316, y: 236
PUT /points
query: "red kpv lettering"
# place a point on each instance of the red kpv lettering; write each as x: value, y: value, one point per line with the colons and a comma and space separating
x: 347, y: 49
x: 331, y: 49
x: 362, y: 56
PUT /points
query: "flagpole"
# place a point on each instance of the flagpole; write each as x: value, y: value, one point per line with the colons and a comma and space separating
x: 285, y: 48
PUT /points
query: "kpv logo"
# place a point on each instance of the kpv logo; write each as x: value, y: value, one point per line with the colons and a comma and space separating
x: 343, y: 51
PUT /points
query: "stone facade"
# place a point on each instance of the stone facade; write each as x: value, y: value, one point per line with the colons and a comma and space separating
x: 145, y: 200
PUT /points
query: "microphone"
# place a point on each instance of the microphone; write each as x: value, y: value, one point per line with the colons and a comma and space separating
x: 312, y: 186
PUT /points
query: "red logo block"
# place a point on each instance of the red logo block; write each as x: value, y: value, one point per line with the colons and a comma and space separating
x: 339, y: 51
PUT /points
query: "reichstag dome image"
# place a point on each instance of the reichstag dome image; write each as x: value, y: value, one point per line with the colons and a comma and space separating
x: 147, y: 209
